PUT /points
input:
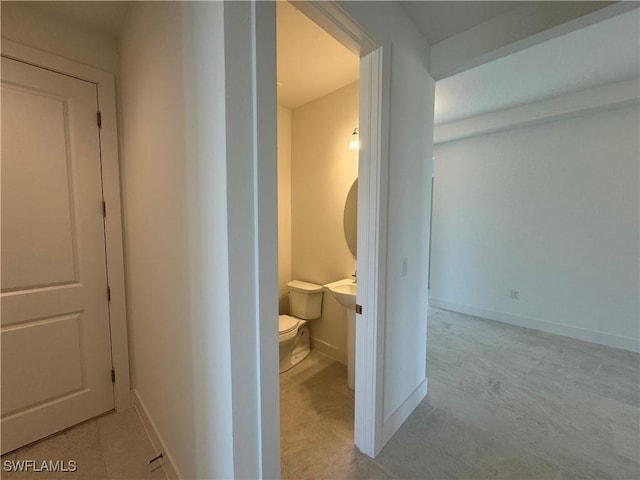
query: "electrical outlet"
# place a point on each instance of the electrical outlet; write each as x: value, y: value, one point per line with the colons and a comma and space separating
x: 405, y: 267
x: 156, y: 462
x: 515, y: 295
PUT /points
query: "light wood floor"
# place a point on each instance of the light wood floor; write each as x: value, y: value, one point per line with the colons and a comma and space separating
x: 112, y: 447
x: 504, y: 402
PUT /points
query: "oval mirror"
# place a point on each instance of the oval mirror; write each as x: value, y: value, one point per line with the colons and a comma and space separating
x: 351, y: 218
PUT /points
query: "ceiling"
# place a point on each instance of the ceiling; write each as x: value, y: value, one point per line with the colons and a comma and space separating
x: 438, y: 21
x: 604, y: 52
x: 105, y: 17
x: 311, y: 63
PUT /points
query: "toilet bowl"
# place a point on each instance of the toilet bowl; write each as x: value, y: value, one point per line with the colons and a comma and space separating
x: 305, y: 302
x: 293, y: 336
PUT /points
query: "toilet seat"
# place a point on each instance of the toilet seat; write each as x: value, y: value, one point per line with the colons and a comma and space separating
x: 286, y: 323
x: 287, y: 327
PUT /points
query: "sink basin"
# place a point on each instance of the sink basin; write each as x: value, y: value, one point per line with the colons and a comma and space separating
x: 344, y: 291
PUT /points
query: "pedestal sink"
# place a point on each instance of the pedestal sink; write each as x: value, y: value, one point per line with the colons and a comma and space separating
x: 344, y: 291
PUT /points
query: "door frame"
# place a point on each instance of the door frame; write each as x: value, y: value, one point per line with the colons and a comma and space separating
x: 374, y: 94
x: 105, y: 83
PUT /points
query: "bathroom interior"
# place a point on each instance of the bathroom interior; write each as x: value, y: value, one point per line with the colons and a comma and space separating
x: 317, y: 213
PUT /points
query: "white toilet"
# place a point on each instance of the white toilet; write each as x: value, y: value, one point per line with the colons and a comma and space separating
x: 305, y: 303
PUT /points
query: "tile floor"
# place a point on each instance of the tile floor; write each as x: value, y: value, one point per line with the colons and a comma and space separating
x: 114, y: 446
x: 504, y: 402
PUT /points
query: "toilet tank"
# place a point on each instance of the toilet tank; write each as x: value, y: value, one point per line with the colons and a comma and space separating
x: 305, y: 299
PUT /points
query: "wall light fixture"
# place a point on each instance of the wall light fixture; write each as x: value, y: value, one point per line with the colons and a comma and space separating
x: 354, y: 142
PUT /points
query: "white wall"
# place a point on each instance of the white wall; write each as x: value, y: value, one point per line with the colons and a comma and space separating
x: 156, y: 223
x: 190, y: 167
x: 284, y: 207
x: 22, y: 22
x: 408, y: 232
x: 322, y: 172
x: 550, y: 210
x: 409, y: 120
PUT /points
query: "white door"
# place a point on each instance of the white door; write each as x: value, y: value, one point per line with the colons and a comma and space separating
x: 56, y: 352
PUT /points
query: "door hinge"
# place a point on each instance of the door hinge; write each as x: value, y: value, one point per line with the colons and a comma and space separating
x: 108, y: 293
x: 359, y: 309
x: 104, y: 209
x: 113, y: 375
x: 99, y: 119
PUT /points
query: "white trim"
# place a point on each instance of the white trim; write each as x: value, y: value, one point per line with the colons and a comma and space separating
x: 105, y: 82
x: 328, y: 350
x: 593, y: 336
x: 329, y: 16
x: 372, y: 245
x: 251, y: 143
x: 397, y: 418
x: 168, y: 463
x: 266, y: 227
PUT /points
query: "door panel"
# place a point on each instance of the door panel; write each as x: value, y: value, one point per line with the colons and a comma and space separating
x: 57, y: 344
x: 33, y: 262
x: 56, y: 357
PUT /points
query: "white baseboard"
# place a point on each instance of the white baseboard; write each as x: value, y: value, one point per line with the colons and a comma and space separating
x: 397, y: 418
x: 593, y: 336
x: 168, y: 464
x: 329, y: 350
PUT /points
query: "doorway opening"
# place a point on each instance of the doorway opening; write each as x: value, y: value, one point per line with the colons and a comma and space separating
x: 318, y: 93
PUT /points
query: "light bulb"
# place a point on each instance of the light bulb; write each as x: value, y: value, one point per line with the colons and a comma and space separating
x: 354, y: 142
